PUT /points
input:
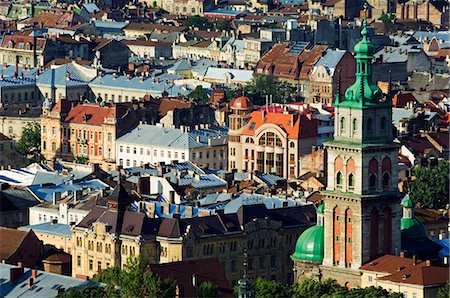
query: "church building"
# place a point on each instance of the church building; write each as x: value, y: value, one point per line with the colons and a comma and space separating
x: 360, y: 218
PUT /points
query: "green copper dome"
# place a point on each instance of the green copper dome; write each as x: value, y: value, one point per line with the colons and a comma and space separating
x: 412, y: 228
x: 310, y: 245
x: 364, y: 92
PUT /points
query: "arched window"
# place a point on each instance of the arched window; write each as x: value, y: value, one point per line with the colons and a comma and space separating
x: 339, y: 179
x: 291, y: 144
x: 369, y: 126
x: 386, y: 180
x: 383, y: 123
x: 351, y: 182
x: 355, y: 125
x: 343, y: 124
x: 372, y: 181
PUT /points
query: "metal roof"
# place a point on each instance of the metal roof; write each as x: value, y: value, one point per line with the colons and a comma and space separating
x: 331, y: 59
x: 253, y: 199
x: 45, y: 285
x: 56, y: 229
x: 155, y: 136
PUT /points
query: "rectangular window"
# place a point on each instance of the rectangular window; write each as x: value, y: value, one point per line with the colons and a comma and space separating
x: 109, y: 137
x: 99, y: 136
x: 91, y: 265
x: 54, y: 130
x: 134, y: 150
x: 78, y: 261
x: 369, y: 278
x: 120, y: 148
x: 155, y: 152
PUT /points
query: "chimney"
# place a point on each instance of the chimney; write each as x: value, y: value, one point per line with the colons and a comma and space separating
x: 128, y: 77
x: 428, y: 263
x: 20, y: 264
x: 15, y: 273
x: 172, y: 197
x: 188, y: 211
x: 67, y: 76
x: 143, y: 185
x: 177, y: 208
x: 56, y: 197
x: 78, y: 196
x: 30, y: 282
x: 34, y: 273
x: 114, y: 76
x: 96, y: 169
x: 16, y: 70
x: 414, y: 259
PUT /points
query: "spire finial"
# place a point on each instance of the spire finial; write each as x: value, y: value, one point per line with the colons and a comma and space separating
x: 364, y: 23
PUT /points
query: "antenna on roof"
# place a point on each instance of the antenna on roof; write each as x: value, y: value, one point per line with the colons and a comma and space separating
x: 271, y: 99
x: 267, y: 99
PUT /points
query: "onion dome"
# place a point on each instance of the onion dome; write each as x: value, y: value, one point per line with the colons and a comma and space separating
x: 310, y: 244
x: 410, y: 227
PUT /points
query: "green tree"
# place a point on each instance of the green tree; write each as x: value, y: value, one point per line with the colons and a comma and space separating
x: 223, y: 24
x: 207, y: 290
x: 154, y: 4
x: 29, y: 144
x: 270, y: 288
x: 444, y: 291
x: 92, y: 291
x: 80, y: 159
x: 263, y: 85
x: 386, y: 17
x: 431, y: 187
x: 134, y: 280
x: 316, y: 289
x: 200, y: 95
x: 372, y: 292
x: 198, y: 21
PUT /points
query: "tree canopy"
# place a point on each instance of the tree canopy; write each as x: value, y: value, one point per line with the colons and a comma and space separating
x: 263, y: 85
x: 431, y: 188
x: 29, y: 144
x: 199, y: 94
x: 317, y: 289
x: 135, y: 280
x: 207, y: 290
x: 198, y: 21
x: 444, y: 292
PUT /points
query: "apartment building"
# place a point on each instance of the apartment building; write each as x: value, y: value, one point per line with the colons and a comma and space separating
x: 156, y: 144
x: 109, y: 235
x: 270, y: 140
x: 85, y: 131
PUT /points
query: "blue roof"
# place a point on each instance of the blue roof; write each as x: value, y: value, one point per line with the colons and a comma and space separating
x: 56, y: 229
x: 45, y: 285
x: 152, y: 135
x: 236, y: 75
x: 224, y: 12
x: 110, y: 25
x: 172, y: 210
x: 79, y: 76
x: 215, y: 198
x: 16, y: 82
x: 9, y: 71
x: 201, y: 181
x: 270, y: 179
x: 253, y: 199
x: 155, y: 87
x: 186, y: 166
x: 91, y: 7
x: 445, y: 243
x: 45, y: 193
x: 331, y: 59
x: 443, y: 37
x: 180, y: 65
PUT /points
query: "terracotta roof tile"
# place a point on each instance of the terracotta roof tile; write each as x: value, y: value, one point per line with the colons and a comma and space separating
x: 295, y: 125
x: 93, y: 114
x: 420, y: 274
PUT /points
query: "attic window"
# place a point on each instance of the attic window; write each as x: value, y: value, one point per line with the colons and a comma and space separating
x: 20, y: 45
x: 252, y: 126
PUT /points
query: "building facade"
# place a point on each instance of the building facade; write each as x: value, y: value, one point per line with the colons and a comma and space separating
x: 150, y: 144
x: 270, y: 140
x: 86, y: 131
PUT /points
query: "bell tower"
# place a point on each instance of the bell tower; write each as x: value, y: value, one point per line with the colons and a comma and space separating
x: 362, y: 210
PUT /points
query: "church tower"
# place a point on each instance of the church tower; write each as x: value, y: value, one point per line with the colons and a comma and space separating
x: 362, y: 210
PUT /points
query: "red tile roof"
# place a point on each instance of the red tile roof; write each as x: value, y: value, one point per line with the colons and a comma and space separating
x: 90, y: 114
x: 420, y: 274
x: 283, y: 64
x: 401, y: 99
x: 296, y: 126
x: 13, y: 41
x: 56, y: 19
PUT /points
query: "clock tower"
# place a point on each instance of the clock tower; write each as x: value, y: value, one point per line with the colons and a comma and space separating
x: 362, y: 203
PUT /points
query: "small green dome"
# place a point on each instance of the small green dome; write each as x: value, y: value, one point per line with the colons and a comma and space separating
x: 412, y: 228
x: 310, y: 245
x: 321, y: 208
x: 407, y: 202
